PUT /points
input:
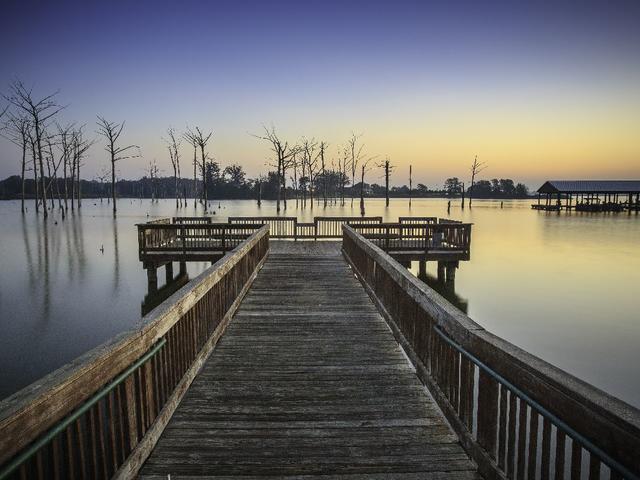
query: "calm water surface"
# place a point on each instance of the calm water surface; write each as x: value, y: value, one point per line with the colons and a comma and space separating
x: 564, y: 287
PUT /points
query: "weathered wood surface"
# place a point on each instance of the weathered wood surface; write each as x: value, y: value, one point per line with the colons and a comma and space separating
x: 308, y: 380
x: 413, y: 311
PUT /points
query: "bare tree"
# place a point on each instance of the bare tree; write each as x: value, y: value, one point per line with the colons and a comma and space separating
x: 343, y: 162
x: 17, y: 128
x: 199, y: 140
x: 79, y: 147
x: 387, y: 169
x: 190, y: 137
x: 34, y: 156
x: 65, y: 135
x: 50, y: 140
x: 355, y: 157
x: 410, y: 184
x: 310, y: 160
x: 323, y: 149
x: 40, y: 111
x: 173, y: 145
x: 111, y: 131
x: 294, y: 179
x: 152, y: 171
x: 364, y: 168
x: 102, y: 177
x: 476, y: 168
x: 259, y: 181
x: 284, y: 159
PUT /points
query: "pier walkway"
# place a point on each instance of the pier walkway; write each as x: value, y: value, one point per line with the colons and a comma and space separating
x: 308, y: 379
x: 313, y: 360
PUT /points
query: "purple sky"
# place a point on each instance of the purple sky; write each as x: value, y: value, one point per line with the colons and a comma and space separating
x: 540, y: 90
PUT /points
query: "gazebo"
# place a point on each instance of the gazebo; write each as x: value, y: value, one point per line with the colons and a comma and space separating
x: 589, y: 195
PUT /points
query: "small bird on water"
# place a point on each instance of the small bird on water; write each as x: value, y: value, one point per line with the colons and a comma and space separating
x: 102, y: 248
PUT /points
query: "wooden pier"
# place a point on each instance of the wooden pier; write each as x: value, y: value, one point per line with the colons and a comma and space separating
x: 325, y: 391
x: 313, y: 360
x: 185, y: 239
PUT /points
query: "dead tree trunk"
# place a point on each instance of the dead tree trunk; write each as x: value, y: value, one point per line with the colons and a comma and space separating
x: 112, y: 131
x: 410, y: 184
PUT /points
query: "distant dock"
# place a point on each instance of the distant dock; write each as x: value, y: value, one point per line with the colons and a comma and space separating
x: 589, y: 196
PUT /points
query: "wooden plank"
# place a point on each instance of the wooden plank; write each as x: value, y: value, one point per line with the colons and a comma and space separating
x: 307, y: 380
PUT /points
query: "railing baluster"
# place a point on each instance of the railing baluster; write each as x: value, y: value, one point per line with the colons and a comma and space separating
x: 511, y: 446
x: 546, y: 449
x: 594, y: 467
x: 533, y: 442
x: 522, y: 438
x: 576, y: 460
x: 487, y: 412
x: 502, y: 429
x: 560, y: 462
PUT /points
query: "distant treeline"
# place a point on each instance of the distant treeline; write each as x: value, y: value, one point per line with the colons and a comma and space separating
x: 231, y: 183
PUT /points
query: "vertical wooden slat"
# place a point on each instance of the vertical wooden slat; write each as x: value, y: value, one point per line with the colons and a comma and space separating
x: 487, y: 412
x: 93, y: 442
x: 101, y: 435
x: 533, y: 442
x: 40, y: 465
x: 466, y: 369
x: 560, y: 447
x: 522, y: 438
x: 139, y: 399
x: 57, y: 457
x: 112, y: 431
x: 546, y: 449
x: 576, y: 460
x: 594, y: 467
x: 502, y: 429
x: 130, y: 405
x: 511, y: 447
x: 81, y: 456
x: 615, y: 475
x: 149, y: 393
x: 68, y: 433
x: 23, y: 472
x: 121, y: 416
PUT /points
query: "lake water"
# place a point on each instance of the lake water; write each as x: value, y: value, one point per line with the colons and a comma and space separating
x: 564, y: 287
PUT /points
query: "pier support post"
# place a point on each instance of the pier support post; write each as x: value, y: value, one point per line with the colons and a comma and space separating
x: 422, y: 269
x: 451, y: 273
x: 441, y: 270
x: 168, y: 271
x: 152, y: 278
x: 183, y: 268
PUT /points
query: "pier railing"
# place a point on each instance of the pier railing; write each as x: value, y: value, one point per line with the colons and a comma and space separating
x: 419, y: 236
x: 99, y: 416
x: 192, y: 236
x: 516, y: 415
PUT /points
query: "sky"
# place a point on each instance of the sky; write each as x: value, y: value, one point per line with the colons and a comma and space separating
x: 536, y: 90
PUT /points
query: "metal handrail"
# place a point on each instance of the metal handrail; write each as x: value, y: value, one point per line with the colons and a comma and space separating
x: 50, y: 435
x: 585, y: 442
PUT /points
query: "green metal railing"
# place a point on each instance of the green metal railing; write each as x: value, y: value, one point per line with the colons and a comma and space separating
x: 14, y: 464
x: 605, y: 458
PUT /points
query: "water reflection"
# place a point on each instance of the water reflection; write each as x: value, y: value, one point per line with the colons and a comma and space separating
x: 563, y: 287
x: 447, y: 290
x: 154, y: 298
